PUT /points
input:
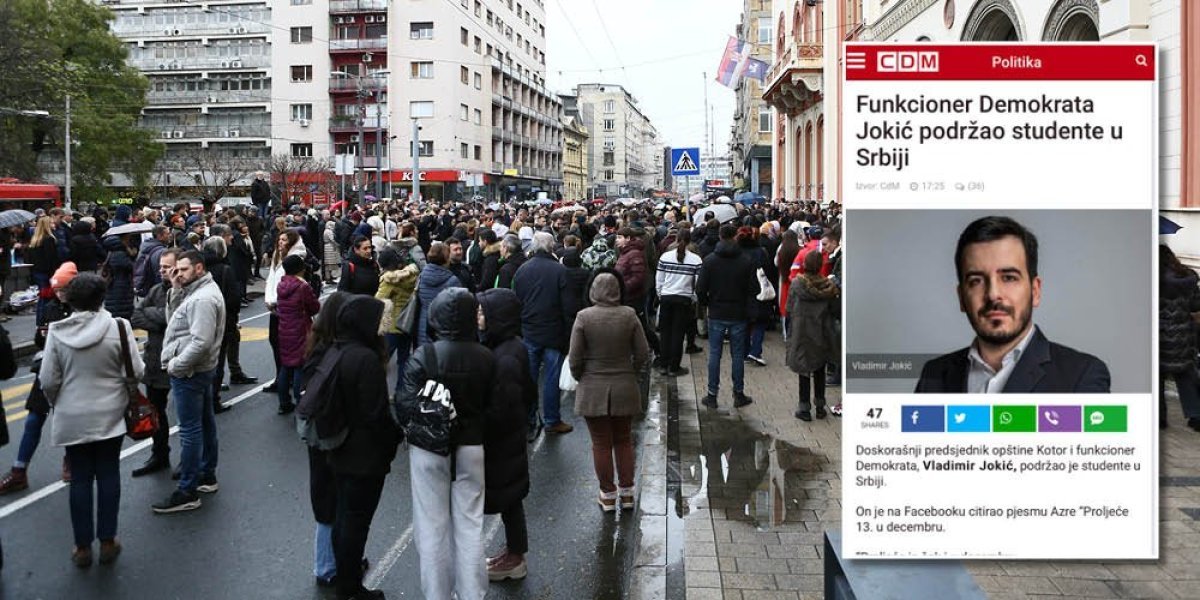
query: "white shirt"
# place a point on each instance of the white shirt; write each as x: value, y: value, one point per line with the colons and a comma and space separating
x: 982, y: 379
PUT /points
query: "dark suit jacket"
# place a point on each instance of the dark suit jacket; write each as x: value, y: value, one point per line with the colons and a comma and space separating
x: 1044, y: 368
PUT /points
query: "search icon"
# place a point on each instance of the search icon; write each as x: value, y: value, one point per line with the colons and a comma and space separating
x: 1141, y: 61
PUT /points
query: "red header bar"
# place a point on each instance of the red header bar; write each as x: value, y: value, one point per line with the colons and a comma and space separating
x: 965, y: 62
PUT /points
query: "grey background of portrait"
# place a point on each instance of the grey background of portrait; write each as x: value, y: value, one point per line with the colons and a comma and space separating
x: 1097, y: 297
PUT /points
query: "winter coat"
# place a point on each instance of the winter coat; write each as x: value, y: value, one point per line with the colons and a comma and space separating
x: 541, y: 284
x: 727, y: 283
x: 712, y: 239
x: 332, y: 256
x: 508, y: 270
x: 577, y: 282
x: 343, y: 232
x: 151, y: 316
x: 226, y: 281
x: 463, y: 273
x: 758, y: 311
x: 465, y: 367
x: 195, y: 328
x: 1178, y: 298
x: 409, y: 247
x: 514, y: 394
x: 631, y: 264
x: 599, y: 255
x: 397, y: 287
x: 260, y: 192
x: 489, y: 268
x: 433, y: 279
x: 44, y: 258
x: 811, y: 344
x: 359, y: 275
x: 276, y: 273
x: 296, y: 307
x: 84, y: 250
x: 119, y: 299
x: 608, y: 350
x: 145, y: 272
x: 241, y: 259
x: 83, y: 377
x: 362, y: 393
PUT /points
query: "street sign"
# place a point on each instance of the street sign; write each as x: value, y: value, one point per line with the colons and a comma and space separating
x: 685, y: 161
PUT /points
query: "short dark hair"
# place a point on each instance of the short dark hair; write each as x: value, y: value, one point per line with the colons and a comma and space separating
x: 992, y: 228
x: 193, y: 257
x: 358, y: 240
x: 86, y: 292
x: 727, y: 232
x: 293, y: 265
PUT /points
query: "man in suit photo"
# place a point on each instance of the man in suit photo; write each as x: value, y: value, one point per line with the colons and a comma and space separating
x: 998, y: 287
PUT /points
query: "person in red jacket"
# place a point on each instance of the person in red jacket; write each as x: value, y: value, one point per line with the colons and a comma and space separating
x: 296, y: 306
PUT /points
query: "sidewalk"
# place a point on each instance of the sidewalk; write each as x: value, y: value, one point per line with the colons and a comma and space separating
x: 761, y: 487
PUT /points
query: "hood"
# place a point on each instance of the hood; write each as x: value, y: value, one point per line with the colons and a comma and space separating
x: 211, y: 260
x: 634, y: 244
x: 407, y: 242
x: 813, y: 288
x: 299, y: 249
x: 358, y: 319
x: 83, y: 329
x: 606, y: 289
x: 1173, y: 285
x: 452, y: 315
x: 80, y: 228
x: 493, y: 249
x: 289, y: 286
x: 396, y: 276
x: 502, y: 311
x: 727, y: 249
x: 329, y: 225
x: 151, y: 243
x: 435, y: 275
x: 123, y: 213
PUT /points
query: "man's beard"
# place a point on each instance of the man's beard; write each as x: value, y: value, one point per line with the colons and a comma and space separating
x: 1002, y: 338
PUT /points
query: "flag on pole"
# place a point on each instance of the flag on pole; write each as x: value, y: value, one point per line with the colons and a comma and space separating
x: 737, y: 63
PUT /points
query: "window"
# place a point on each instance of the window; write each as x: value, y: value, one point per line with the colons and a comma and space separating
x: 478, y: 152
x: 608, y: 175
x: 301, y: 2
x: 422, y: 70
x: 764, y: 119
x: 420, y: 30
x: 426, y: 147
x: 609, y: 158
x: 301, y: 111
x: 478, y: 81
x: 479, y: 8
x: 301, y: 73
x: 302, y: 150
x: 610, y: 105
x: 478, y: 117
x: 464, y: 151
x: 478, y: 45
x: 610, y: 124
x: 420, y: 108
x: 302, y: 35
x: 764, y: 30
x: 464, y: 112
x: 463, y: 35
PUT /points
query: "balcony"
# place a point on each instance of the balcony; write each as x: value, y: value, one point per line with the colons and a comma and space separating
x: 351, y: 84
x: 200, y: 63
x: 164, y: 98
x: 795, y: 81
x: 357, y: 6
x: 350, y: 125
x: 379, y: 43
x: 167, y: 132
x: 250, y: 25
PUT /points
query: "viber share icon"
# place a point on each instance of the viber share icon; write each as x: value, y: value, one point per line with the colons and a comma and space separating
x: 907, y: 61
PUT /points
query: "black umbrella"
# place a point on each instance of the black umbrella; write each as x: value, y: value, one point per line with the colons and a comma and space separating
x: 1165, y: 225
x: 16, y: 216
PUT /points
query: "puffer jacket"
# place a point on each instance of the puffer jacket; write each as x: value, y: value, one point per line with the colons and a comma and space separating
x: 359, y: 275
x: 396, y: 286
x: 297, y: 304
x: 514, y: 393
x: 465, y: 366
x: 811, y: 344
x: 119, y: 298
x: 508, y: 269
x: 84, y: 249
x: 1178, y: 298
x: 409, y: 247
x: 195, y: 328
x: 489, y: 268
x: 631, y: 264
x: 152, y: 317
x: 434, y: 279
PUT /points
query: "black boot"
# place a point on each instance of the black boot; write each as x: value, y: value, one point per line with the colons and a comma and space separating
x: 155, y: 463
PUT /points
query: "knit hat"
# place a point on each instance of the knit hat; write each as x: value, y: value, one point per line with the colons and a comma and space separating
x: 63, y: 275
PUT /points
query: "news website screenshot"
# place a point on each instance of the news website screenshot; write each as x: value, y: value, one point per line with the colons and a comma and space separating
x: 1001, y: 316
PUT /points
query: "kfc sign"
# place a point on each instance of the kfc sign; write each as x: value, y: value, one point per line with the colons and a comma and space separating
x: 907, y: 62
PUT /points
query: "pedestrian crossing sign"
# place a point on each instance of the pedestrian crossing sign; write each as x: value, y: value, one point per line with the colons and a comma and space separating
x: 685, y: 161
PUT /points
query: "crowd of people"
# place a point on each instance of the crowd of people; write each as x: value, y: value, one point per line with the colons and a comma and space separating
x: 488, y: 301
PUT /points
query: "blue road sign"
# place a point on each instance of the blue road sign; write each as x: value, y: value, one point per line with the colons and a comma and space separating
x: 685, y: 161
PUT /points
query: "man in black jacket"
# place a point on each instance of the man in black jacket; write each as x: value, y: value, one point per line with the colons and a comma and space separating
x: 216, y: 261
x: 727, y: 285
x: 541, y: 284
x: 152, y: 317
x: 460, y: 270
x: 360, y: 273
x: 260, y: 195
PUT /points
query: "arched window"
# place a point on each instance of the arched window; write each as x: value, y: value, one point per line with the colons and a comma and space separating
x: 798, y: 22
x: 808, y: 161
x: 799, y: 157
x: 780, y: 36
x: 993, y: 21
x: 820, y: 191
x: 1073, y: 21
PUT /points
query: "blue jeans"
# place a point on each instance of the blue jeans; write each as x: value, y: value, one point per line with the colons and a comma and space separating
x: 288, y: 384
x: 29, y: 439
x: 755, y: 338
x: 95, y: 464
x: 264, y: 211
x: 400, y: 345
x: 324, y: 565
x: 717, y: 330
x: 552, y: 359
x: 197, y: 428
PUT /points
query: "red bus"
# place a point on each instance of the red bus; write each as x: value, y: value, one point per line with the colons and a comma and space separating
x: 28, y: 196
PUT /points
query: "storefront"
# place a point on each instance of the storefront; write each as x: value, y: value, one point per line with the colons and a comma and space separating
x: 437, y: 185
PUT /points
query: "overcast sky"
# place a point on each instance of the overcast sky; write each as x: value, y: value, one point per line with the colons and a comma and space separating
x: 665, y: 47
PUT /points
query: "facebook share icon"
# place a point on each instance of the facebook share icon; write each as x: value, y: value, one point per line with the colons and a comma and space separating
x: 923, y: 418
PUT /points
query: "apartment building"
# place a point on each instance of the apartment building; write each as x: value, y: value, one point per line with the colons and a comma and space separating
x: 624, y: 144
x: 576, y: 181
x: 753, y: 121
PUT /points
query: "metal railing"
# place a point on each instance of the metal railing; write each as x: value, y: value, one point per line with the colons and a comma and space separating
x: 207, y: 97
x: 350, y: 84
x: 193, y: 63
x: 350, y: 6
x: 358, y: 44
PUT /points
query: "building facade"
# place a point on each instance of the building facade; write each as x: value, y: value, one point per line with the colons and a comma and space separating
x: 576, y: 182
x: 623, y: 142
x: 750, y: 139
x: 1173, y: 24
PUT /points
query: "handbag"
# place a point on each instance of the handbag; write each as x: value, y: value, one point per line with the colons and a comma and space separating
x: 141, y: 419
x: 406, y: 321
x: 566, y: 381
x: 766, y: 291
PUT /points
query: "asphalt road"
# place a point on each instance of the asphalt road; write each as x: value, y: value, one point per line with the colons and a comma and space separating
x: 253, y: 539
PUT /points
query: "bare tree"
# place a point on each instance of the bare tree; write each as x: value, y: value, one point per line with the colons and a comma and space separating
x: 296, y: 176
x: 216, y: 174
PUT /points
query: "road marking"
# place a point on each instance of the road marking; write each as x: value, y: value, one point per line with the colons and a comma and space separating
x: 47, y: 490
x: 385, y: 564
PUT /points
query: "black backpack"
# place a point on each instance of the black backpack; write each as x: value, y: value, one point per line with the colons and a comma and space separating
x: 433, y: 418
x: 320, y: 420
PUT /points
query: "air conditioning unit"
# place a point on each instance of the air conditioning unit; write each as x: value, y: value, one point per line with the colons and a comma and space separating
x: 370, y: 18
x: 381, y: 19
x: 236, y: 64
x: 166, y: 32
x: 162, y: 67
x: 213, y: 99
x: 305, y: 122
x: 354, y: 139
x: 174, y: 65
x: 166, y: 134
x: 233, y: 30
x: 176, y: 32
x: 234, y: 133
x: 338, y: 20
x: 177, y: 134
x: 241, y: 30
x: 367, y: 57
x: 224, y: 64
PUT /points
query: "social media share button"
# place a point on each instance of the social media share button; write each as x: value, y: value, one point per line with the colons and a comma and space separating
x: 1061, y: 419
x: 1014, y: 419
x: 923, y: 418
x: 968, y: 419
x: 1105, y: 419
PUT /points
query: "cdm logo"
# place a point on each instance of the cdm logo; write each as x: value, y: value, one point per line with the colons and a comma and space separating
x: 907, y: 61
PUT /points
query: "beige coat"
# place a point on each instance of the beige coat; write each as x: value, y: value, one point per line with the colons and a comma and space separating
x: 608, y: 349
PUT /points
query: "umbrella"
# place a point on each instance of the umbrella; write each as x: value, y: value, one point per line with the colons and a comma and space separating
x: 568, y: 209
x: 750, y: 198
x: 697, y: 197
x: 16, y: 216
x: 1165, y: 225
x: 722, y: 212
x: 143, y: 227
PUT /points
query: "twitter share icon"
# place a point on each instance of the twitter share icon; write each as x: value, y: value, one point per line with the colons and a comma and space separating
x: 968, y: 419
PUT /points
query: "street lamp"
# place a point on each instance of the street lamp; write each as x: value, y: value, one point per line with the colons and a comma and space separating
x: 361, y: 94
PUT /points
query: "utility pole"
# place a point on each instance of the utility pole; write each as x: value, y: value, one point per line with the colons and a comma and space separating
x: 362, y: 115
x: 416, y: 151
x: 67, y: 154
x: 378, y: 147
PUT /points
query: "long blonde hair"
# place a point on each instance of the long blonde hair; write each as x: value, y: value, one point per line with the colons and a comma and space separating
x: 41, y: 231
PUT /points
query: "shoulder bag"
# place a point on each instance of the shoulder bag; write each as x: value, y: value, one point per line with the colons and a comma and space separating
x: 141, y: 418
